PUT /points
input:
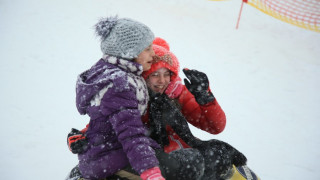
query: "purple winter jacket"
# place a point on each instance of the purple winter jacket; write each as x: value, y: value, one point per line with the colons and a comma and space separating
x: 114, y: 95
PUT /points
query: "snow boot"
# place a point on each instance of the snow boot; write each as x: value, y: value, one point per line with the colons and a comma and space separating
x: 75, y: 174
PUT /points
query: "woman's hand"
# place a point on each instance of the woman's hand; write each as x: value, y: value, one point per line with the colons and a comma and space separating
x: 198, y: 84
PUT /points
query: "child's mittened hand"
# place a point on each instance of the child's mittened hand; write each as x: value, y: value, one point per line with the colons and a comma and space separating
x: 152, y: 174
x: 77, y: 141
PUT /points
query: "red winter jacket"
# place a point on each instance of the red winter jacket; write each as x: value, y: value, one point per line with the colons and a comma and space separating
x: 210, y: 118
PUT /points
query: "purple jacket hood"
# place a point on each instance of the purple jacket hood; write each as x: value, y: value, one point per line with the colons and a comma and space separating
x: 102, y: 74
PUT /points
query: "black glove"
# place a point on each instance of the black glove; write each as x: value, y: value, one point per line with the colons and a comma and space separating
x: 77, y: 141
x: 164, y: 111
x: 198, y: 86
x: 157, y: 120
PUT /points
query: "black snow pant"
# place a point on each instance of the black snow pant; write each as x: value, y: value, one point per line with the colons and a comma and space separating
x: 219, y: 158
x: 184, y: 164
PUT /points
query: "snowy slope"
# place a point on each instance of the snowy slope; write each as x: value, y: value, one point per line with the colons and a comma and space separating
x: 265, y: 76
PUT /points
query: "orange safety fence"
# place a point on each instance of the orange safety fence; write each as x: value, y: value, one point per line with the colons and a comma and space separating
x: 301, y: 13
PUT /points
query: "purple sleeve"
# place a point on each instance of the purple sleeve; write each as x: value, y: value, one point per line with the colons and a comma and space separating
x: 122, y: 108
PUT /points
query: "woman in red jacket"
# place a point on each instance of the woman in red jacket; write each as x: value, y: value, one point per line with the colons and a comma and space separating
x: 173, y: 104
x: 200, y: 108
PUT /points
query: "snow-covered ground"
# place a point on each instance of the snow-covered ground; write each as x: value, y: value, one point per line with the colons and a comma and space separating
x: 265, y: 75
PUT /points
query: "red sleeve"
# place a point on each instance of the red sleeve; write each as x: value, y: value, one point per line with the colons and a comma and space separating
x: 145, y: 118
x: 209, y: 117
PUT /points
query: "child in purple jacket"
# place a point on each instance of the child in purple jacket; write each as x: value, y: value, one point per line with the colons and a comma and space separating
x: 114, y: 95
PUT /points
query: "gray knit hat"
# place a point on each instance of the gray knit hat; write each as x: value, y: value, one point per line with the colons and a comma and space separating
x: 125, y: 38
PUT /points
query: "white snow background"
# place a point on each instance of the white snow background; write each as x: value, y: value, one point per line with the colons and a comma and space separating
x: 265, y: 76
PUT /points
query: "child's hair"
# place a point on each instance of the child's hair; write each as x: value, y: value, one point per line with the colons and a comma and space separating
x: 124, y: 38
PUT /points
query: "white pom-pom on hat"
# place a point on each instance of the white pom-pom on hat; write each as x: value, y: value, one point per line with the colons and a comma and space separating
x: 104, y: 26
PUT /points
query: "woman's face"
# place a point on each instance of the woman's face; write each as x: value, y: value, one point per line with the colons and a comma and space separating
x: 159, y: 80
x: 145, y: 58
